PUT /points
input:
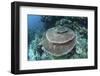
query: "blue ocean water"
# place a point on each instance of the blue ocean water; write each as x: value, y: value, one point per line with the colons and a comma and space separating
x: 35, y: 24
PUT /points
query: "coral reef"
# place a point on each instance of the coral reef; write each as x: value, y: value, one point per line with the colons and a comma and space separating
x: 77, y: 24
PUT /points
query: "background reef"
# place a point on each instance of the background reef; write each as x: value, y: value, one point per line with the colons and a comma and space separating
x: 38, y: 25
